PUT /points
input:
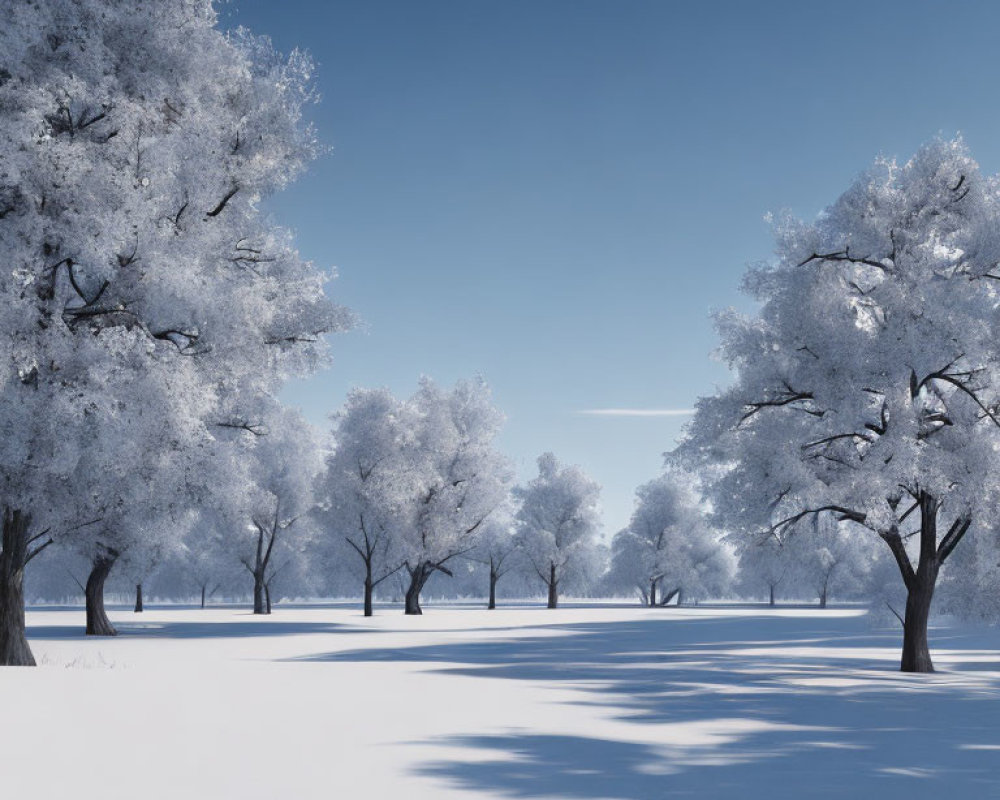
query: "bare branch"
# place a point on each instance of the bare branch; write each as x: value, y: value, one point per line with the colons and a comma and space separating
x: 222, y: 203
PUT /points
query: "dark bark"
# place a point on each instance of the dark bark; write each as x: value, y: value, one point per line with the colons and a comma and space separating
x: 98, y: 623
x: 267, y: 596
x: 493, y: 589
x: 916, y: 652
x: 669, y: 596
x: 203, y: 596
x: 553, y: 585
x: 138, y: 598
x: 822, y: 598
x: 770, y: 601
x: 368, y: 593
x: 259, y: 598
x: 652, y: 593
x: 418, y: 577
x: 916, y: 655
x: 14, y: 649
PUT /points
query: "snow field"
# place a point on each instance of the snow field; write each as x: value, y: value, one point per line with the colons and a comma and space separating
x: 581, y: 702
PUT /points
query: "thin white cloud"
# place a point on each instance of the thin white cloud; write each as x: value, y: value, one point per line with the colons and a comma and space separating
x: 638, y: 412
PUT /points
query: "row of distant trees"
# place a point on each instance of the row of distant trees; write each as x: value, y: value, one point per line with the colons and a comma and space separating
x: 404, y: 493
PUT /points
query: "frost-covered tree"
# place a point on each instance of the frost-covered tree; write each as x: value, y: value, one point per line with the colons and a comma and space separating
x: 763, y: 564
x: 459, y: 476
x: 141, y: 282
x: 558, y: 521
x: 826, y: 558
x: 271, y: 496
x: 668, y: 547
x: 868, y: 384
x: 367, y: 488
x: 497, y: 550
x: 204, y: 562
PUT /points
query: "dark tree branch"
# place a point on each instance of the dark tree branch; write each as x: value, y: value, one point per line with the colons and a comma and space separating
x: 222, y: 203
x: 953, y: 537
x: 895, y: 542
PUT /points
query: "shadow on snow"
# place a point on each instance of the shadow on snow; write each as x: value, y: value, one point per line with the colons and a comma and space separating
x: 257, y: 627
x: 757, y: 706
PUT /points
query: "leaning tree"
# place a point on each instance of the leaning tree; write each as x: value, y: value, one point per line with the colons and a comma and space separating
x: 137, y: 141
x: 867, y: 386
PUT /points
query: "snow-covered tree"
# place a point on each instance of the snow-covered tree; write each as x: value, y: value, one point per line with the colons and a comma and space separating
x: 668, y: 547
x: 204, y: 560
x: 497, y: 549
x: 826, y: 558
x: 868, y: 384
x: 271, y: 497
x: 764, y: 564
x: 141, y: 283
x: 366, y: 490
x: 459, y: 475
x: 558, y: 521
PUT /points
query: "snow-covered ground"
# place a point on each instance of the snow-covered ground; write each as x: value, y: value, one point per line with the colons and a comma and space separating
x: 582, y: 702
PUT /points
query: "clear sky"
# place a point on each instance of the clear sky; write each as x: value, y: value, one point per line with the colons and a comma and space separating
x: 555, y: 194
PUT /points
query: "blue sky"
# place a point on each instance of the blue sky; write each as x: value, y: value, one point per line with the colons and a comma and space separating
x: 555, y: 194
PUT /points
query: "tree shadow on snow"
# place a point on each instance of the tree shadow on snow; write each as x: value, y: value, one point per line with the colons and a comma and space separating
x: 755, y: 706
x: 258, y: 627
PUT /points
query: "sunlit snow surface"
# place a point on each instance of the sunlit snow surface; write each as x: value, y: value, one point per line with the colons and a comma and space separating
x: 582, y: 702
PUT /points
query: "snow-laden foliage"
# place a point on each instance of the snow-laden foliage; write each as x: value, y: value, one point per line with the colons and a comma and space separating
x: 668, y: 550
x: 143, y: 288
x: 264, y: 497
x: 828, y: 560
x: 146, y: 298
x: 764, y: 565
x: 411, y: 482
x: 868, y: 383
x: 367, y: 488
x: 497, y: 549
x: 558, y: 522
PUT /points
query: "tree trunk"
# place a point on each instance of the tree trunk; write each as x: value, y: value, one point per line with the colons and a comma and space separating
x: 14, y: 649
x: 267, y: 596
x: 553, y: 587
x: 203, y: 595
x: 98, y: 623
x: 493, y: 589
x: 259, y: 600
x: 771, y: 599
x: 680, y: 596
x: 669, y: 596
x: 822, y: 598
x: 916, y: 653
x: 368, y: 593
x: 138, y: 598
x: 920, y: 591
x: 418, y: 577
x: 652, y: 594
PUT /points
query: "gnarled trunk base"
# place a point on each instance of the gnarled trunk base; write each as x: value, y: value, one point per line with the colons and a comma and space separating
x: 98, y: 623
x: 418, y: 577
